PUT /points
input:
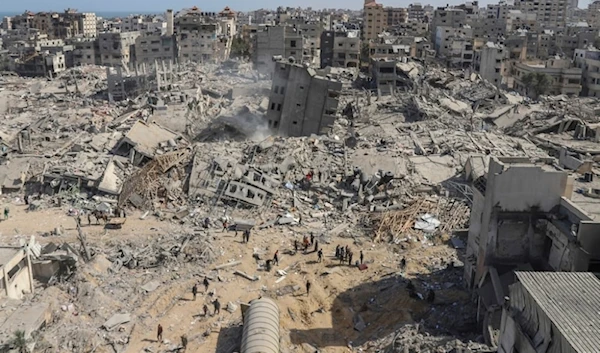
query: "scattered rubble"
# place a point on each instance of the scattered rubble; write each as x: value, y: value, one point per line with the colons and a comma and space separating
x: 197, y: 159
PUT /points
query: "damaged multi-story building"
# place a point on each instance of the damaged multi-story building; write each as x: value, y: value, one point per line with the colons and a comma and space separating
x: 525, y: 216
x: 340, y: 48
x: 117, y: 49
x: 301, y: 102
x: 204, y: 35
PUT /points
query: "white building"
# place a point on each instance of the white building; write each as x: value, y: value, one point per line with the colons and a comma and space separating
x: 87, y: 24
x: 489, y: 62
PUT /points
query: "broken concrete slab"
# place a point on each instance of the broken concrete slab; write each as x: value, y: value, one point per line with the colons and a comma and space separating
x: 151, y: 286
x: 116, y: 320
x: 229, y: 264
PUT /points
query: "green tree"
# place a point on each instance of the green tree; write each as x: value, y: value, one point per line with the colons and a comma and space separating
x: 536, y: 83
x: 19, y: 341
x: 240, y: 48
x: 364, y: 52
x: 528, y: 80
x: 542, y: 82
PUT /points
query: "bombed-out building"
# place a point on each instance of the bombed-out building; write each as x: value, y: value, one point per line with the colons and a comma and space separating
x: 301, y: 103
x: 524, y: 217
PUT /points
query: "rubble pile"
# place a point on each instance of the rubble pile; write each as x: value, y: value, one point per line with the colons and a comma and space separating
x: 194, y: 154
x: 414, y: 339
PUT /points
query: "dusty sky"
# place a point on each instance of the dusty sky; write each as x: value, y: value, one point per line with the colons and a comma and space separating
x: 239, y: 5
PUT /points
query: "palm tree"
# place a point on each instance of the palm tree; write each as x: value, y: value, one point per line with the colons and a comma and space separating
x: 19, y: 341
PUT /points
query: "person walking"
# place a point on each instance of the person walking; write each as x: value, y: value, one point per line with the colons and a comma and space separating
x: 342, y: 256
x: 225, y: 226
x: 205, y: 282
x: 350, y: 258
x: 320, y: 255
x: 159, y: 333
x: 217, y: 306
x: 276, y: 258
x: 312, y: 238
x: 362, y: 257
x: 205, y: 308
x: 308, y: 285
x: 295, y: 245
x: 184, y: 342
x: 195, y: 290
x: 337, y: 251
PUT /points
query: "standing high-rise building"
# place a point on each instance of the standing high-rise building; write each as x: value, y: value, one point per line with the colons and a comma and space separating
x: 375, y: 19
x: 549, y: 13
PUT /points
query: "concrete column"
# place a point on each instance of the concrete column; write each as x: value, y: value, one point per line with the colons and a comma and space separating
x: 29, y: 270
x: 170, y: 29
x: 5, y: 279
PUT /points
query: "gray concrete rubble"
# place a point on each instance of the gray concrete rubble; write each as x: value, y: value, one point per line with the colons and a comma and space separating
x: 210, y: 152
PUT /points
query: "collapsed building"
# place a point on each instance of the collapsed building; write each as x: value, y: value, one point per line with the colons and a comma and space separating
x: 301, y: 102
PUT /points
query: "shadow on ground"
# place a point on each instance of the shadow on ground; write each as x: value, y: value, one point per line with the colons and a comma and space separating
x: 374, y: 310
x: 230, y: 339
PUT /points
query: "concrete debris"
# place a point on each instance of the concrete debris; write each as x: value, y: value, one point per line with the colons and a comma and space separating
x: 116, y: 320
x: 199, y: 170
x: 231, y: 307
x: 151, y: 286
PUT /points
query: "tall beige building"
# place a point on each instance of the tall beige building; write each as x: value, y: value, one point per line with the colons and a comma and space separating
x: 549, y: 13
x: 375, y: 19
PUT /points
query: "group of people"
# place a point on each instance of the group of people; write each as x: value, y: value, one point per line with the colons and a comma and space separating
x: 306, y: 242
x: 159, y: 337
x: 345, y: 254
x: 217, y: 310
x: 216, y: 303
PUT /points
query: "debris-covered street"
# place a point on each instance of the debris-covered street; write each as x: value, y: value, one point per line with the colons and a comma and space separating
x: 126, y: 201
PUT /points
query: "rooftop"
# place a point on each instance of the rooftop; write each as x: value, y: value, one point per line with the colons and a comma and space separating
x: 7, y: 253
x: 572, y: 302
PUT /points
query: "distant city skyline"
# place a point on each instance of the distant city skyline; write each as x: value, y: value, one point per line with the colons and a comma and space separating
x: 146, y: 6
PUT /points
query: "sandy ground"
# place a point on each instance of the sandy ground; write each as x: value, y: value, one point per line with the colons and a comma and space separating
x: 322, y: 319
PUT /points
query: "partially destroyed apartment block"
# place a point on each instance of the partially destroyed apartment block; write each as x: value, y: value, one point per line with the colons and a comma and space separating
x: 15, y: 272
x: 301, y: 102
x: 523, y: 218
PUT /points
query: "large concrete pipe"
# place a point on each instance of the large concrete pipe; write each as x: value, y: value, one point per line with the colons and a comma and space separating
x: 261, y: 327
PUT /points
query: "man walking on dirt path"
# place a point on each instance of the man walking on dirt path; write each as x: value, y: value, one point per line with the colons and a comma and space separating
x: 6, y: 212
x: 195, y: 290
x: 361, y: 257
x: 320, y: 255
x: 276, y: 258
x: 350, y: 258
x: 159, y: 335
x: 217, y: 306
x: 184, y: 342
x: 308, y: 284
x: 205, y: 282
x: 205, y: 308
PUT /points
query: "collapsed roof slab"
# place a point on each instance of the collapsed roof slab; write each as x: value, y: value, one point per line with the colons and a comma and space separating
x: 145, y: 138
